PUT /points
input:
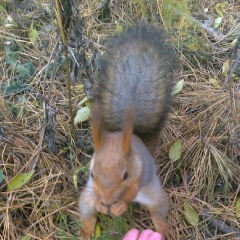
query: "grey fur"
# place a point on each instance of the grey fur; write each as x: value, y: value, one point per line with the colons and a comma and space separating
x: 137, y: 70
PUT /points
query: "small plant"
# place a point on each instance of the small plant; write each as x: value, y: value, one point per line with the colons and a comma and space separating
x: 17, y: 72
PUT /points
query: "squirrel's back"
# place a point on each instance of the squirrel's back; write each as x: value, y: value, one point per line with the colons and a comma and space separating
x: 137, y: 70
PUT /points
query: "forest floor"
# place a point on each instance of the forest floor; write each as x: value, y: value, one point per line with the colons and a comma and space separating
x: 44, y: 167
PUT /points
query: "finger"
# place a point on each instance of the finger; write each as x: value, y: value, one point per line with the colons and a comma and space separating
x: 155, y: 236
x: 132, y: 235
x: 145, y: 234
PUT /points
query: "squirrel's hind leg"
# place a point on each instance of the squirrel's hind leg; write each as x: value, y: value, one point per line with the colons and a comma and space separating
x: 155, y: 199
x: 88, y: 213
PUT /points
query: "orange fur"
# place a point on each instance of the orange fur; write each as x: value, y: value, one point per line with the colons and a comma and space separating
x: 128, y: 129
x: 97, y: 127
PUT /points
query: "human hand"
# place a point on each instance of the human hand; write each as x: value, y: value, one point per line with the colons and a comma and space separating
x: 147, y: 234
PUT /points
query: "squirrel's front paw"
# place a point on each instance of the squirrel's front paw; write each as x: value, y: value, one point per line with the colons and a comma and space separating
x: 88, y: 228
x: 118, y: 208
x: 163, y: 228
x: 85, y: 235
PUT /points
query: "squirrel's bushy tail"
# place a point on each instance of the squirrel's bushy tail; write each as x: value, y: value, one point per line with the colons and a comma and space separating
x: 137, y: 70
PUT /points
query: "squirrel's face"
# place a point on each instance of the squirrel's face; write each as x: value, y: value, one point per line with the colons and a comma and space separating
x: 115, y: 180
x: 113, y: 175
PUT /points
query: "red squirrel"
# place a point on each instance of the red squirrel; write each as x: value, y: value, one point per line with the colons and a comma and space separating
x: 131, y: 100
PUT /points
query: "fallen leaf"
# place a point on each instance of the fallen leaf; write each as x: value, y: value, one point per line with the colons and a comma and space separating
x: 119, y: 28
x: 217, y: 22
x: 97, y: 231
x: 214, y: 82
x: 33, y: 34
x: 83, y: 101
x: 225, y: 68
x: 238, y: 208
x: 190, y: 214
x: 175, y: 150
x: 234, y: 42
x: 178, y: 87
x: 82, y: 115
x: 18, y: 181
x: 26, y: 237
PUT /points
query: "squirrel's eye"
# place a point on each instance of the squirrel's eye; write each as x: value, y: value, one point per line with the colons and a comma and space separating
x: 125, y: 175
x: 92, y: 175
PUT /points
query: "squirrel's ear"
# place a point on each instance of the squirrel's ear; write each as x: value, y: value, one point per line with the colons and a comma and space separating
x: 128, y: 125
x: 97, y: 127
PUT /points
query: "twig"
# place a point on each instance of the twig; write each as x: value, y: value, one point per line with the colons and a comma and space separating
x: 235, y: 52
x: 67, y: 67
x: 105, y: 3
x: 221, y: 226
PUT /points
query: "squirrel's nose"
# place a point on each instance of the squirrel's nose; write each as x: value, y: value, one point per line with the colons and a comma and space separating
x: 105, y: 205
x: 108, y: 204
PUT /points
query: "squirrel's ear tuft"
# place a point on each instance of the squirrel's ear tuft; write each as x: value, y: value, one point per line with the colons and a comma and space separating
x: 97, y: 127
x: 128, y: 125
